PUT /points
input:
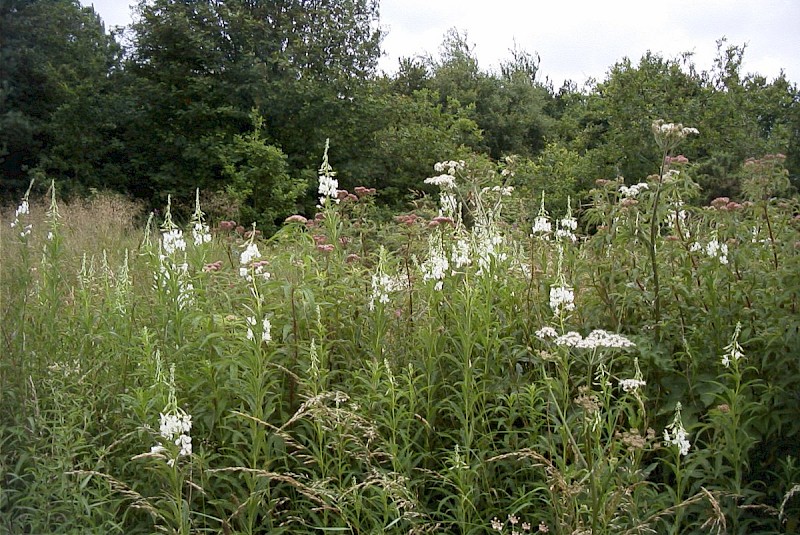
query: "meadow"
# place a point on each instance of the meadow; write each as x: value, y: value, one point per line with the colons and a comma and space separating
x: 474, y: 365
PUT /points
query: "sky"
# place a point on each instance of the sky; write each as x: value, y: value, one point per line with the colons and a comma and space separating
x: 581, y: 39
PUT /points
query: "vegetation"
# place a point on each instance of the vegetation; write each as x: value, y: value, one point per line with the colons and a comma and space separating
x: 582, y: 319
x: 176, y: 102
x: 461, y: 369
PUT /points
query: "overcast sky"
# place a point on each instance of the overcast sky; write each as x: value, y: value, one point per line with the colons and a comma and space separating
x: 579, y: 39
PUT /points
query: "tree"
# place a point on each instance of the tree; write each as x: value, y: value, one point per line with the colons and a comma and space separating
x: 508, y: 108
x: 199, y: 67
x: 259, y: 179
x: 55, y: 57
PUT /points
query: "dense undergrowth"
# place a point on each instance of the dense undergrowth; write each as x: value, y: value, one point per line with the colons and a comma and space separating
x: 629, y: 367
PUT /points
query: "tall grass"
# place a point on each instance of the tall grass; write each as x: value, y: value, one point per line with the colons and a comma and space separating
x: 451, y: 371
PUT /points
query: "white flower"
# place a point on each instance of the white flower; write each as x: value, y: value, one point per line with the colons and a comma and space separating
x: 562, y: 298
x: 250, y: 253
x: 542, y: 225
x: 175, y: 427
x: 733, y: 351
x: 460, y: 254
x: 443, y: 181
x: 597, y: 339
x: 449, y: 167
x: 566, y: 229
x: 546, y: 332
x: 328, y: 187
x: 436, y: 266
x: 675, y: 434
x: 266, y: 330
x: 448, y: 205
x: 23, y: 208
x: 251, y: 320
x: 172, y: 240
x: 715, y: 249
x: 504, y: 191
x: 570, y: 339
x: 382, y: 286
x: 632, y: 191
x: 630, y: 385
x: 201, y: 233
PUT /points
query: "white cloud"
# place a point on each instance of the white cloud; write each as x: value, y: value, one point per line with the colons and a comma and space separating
x: 577, y: 39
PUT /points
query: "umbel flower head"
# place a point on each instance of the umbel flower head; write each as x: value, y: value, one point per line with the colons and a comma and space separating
x: 669, y: 135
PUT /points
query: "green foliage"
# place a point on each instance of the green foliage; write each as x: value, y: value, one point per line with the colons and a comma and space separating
x: 450, y: 373
x: 259, y: 179
x: 56, y: 57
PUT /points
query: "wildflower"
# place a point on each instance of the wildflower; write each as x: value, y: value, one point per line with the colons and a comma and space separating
x: 362, y: 192
x: 436, y: 266
x: 328, y: 186
x: 570, y: 339
x: 567, y: 225
x: 733, y: 351
x: 543, y: 527
x: 297, y: 218
x: 448, y: 205
x: 449, y: 167
x: 632, y: 385
x: 250, y: 253
x: 632, y: 191
x: 201, y: 233
x: 443, y: 181
x: 597, y: 339
x: 172, y: 240
x: 541, y: 225
x: 715, y: 249
x: 546, y: 332
x: 562, y: 298
x: 496, y: 524
x: 200, y: 230
x: 266, y: 329
x: 175, y: 427
x: 383, y: 284
x: 675, y: 434
x: 504, y: 191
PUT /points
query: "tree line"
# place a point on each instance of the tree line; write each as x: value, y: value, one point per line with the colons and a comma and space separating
x: 238, y: 98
